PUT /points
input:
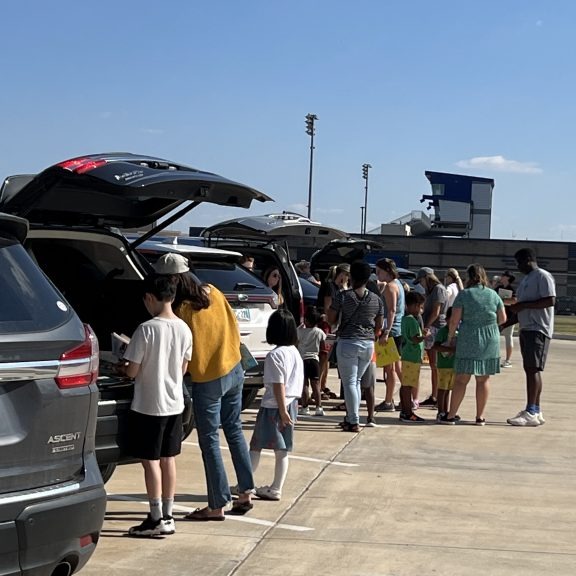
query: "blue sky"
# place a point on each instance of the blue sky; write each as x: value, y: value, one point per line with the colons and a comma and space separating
x: 482, y: 88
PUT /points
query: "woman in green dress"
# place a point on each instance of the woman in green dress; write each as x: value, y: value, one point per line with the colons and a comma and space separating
x: 476, y: 314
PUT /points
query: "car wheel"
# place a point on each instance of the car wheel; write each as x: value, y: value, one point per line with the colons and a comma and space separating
x: 106, y: 470
x: 248, y: 397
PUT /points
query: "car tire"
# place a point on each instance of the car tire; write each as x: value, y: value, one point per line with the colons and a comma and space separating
x: 106, y: 470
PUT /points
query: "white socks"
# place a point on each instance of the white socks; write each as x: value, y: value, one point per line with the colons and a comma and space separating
x: 280, y: 467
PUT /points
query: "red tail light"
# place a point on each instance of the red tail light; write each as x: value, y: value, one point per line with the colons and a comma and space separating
x: 81, y: 165
x: 79, y: 366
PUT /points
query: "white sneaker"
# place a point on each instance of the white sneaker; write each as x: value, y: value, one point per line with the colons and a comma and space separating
x: 167, y: 526
x: 524, y: 418
x: 304, y: 411
x: 319, y: 411
x: 541, y: 418
x: 506, y: 364
x: 268, y: 493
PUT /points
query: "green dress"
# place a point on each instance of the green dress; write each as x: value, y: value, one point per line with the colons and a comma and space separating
x: 478, y: 342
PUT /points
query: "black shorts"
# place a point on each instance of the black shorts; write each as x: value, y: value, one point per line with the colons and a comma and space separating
x: 311, y: 369
x: 534, y: 347
x: 154, y: 437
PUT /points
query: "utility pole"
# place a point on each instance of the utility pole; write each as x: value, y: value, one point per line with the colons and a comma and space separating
x: 310, y: 130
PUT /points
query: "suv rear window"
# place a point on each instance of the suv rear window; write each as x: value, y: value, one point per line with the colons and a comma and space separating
x: 229, y: 277
x: 28, y: 303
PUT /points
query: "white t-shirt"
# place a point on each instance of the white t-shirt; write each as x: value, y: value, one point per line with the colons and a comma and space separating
x: 452, y: 290
x: 283, y: 365
x: 310, y: 341
x: 160, y: 346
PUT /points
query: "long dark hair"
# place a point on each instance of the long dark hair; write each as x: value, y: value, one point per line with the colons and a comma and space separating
x: 188, y: 290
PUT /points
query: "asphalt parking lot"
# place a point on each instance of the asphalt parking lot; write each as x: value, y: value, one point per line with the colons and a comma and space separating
x: 396, y: 500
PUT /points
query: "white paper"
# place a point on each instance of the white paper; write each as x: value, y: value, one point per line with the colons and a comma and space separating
x: 504, y: 293
x: 119, y: 343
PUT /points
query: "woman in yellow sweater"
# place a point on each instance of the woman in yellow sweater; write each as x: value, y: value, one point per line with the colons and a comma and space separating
x: 217, y: 378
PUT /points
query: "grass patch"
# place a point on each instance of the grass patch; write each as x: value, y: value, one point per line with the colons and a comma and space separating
x: 564, y: 324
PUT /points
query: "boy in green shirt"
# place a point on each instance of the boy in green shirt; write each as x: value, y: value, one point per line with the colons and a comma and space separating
x: 412, y: 350
x: 445, y: 367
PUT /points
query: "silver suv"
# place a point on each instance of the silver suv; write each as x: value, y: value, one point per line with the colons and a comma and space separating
x: 52, y: 500
x: 76, y: 209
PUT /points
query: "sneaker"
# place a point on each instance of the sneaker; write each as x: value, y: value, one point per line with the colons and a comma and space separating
x: 440, y: 415
x: 541, y: 418
x: 148, y: 528
x: 449, y: 421
x: 268, y: 493
x: 411, y: 418
x: 415, y: 404
x: 167, y: 526
x: 480, y: 421
x: 387, y: 407
x: 370, y: 423
x: 524, y: 418
x: 430, y: 402
x: 506, y: 364
x: 305, y: 411
x: 319, y: 411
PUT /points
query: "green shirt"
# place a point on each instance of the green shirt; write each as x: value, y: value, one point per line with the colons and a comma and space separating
x: 441, y: 360
x: 411, y: 352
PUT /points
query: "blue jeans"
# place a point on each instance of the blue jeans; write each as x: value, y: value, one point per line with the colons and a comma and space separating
x: 219, y: 402
x: 354, y: 357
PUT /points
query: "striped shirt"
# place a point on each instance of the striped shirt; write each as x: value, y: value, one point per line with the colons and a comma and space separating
x: 358, y: 314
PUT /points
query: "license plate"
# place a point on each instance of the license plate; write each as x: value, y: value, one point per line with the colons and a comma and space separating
x: 242, y: 314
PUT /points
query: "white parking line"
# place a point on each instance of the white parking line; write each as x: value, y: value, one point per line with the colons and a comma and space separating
x: 303, y: 458
x: 247, y: 519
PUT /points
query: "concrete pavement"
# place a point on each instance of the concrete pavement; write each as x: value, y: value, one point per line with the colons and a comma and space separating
x: 397, y: 500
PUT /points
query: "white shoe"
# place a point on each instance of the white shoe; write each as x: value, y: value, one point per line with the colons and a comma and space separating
x: 268, y: 493
x: 541, y: 418
x: 524, y: 418
x: 167, y: 526
x: 506, y: 364
x: 319, y: 411
x: 304, y: 411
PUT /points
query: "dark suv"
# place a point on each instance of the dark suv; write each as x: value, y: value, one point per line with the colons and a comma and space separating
x: 76, y: 209
x: 52, y: 500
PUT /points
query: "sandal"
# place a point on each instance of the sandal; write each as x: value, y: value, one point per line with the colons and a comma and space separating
x: 240, y: 508
x: 203, y: 515
x: 329, y: 395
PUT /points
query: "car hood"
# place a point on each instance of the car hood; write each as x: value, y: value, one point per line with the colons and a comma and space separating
x: 117, y: 189
x: 272, y: 227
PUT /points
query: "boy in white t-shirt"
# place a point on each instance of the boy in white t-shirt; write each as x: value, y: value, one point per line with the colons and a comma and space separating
x: 283, y: 382
x: 157, y: 357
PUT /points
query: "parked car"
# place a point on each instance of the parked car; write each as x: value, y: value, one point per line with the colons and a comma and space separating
x: 52, y: 500
x: 252, y: 301
x: 75, y: 209
x: 267, y: 239
x: 309, y: 292
x: 348, y: 250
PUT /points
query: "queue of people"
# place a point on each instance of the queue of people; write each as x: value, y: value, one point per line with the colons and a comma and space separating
x: 193, y: 338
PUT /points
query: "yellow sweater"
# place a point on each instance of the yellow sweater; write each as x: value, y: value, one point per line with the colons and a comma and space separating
x: 216, y: 338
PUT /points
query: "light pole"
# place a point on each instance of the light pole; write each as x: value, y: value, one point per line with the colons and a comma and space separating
x: 310, y: 119
x: 365, y: 168
x: 361, y: 219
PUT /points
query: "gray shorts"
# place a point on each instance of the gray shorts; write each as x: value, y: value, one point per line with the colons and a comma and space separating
x: 369, y: 378
x: 534, y: 347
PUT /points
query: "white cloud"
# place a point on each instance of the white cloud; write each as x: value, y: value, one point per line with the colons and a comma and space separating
x: 500, y: 164
x: 152, y: 130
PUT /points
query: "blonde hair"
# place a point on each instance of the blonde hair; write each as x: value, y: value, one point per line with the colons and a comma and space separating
x: 453, y: 273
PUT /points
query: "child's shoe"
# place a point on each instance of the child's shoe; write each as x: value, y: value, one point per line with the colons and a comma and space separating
x: 167, y: 526
x: 319, y: 411
x: 148, y: 528
x: 304, y: 411
x: 268, y: 493
x: 411, y: 418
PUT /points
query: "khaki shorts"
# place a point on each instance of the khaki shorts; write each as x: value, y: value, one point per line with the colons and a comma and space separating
x: 445, y: 378
x: 411, y: 374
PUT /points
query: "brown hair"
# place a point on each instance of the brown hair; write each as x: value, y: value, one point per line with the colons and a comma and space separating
x: 476, y: 276
x: 189, y: 290
x: 431, y: 280
x: 453, y: 273
x: 389, y: 266
x: 278, y: 287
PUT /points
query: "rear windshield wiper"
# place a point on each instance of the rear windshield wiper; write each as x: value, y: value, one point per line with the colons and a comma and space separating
x: 244, y: 286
